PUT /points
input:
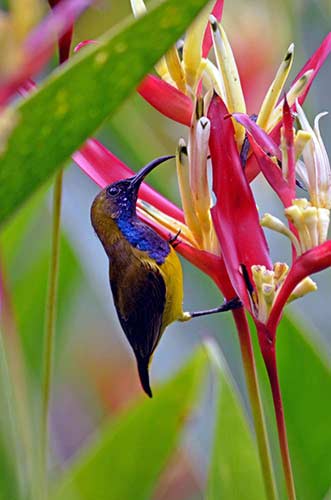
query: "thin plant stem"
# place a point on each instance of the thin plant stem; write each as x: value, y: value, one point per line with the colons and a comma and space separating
x: 50, y: 324
x: 249, y: 366
x: 269, y: 356
x: 64, y: 43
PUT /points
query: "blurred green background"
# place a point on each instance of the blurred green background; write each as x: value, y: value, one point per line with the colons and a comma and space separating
x: 95, y: 374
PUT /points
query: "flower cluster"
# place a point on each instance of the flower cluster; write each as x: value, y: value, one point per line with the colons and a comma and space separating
x: 225, y: 150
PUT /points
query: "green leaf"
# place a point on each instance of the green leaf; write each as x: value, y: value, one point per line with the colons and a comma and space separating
x: 235, y: 471
x: 13, y: 236
x: 27, y: 277
x: 77, y: 98
x: 305, y: 377
x: 30, y: 301
x: 129, y: 454
x: 9, y: 445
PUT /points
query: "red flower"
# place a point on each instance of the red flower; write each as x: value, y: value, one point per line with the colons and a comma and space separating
x: 308, y: 220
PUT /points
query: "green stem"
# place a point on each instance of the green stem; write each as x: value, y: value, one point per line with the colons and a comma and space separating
x: 248, y: 359
x: 50, y: 324
x: 269, y: 355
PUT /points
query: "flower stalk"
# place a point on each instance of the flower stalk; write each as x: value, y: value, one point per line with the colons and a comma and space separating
x: 269, y: 357
x: 64, y: 43
x: 248, y: 360
x: 50, y: 324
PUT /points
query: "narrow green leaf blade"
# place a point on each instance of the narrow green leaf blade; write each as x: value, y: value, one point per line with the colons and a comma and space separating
x: 306, y: 387
x: 235, y: 471
x: 30, y: 302
x: 10, y: 480
x: 130, y: 454
x: 77, y: 98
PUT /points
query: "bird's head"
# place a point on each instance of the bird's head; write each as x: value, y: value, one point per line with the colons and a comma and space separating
x: 118, y: 200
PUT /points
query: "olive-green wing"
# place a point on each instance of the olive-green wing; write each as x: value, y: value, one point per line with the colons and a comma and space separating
x: 139, y: 297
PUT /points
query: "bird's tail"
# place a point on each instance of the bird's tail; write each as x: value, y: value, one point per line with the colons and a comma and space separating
x: 142, y: 364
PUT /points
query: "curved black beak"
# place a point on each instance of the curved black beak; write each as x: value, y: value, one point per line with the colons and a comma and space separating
x: 139, y: 177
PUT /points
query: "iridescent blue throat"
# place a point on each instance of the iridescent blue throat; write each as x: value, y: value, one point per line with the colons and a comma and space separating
x: 143, y: 238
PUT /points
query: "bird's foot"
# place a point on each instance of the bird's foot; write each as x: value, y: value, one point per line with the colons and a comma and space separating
x: 173, y: 240
x: 228, y: 305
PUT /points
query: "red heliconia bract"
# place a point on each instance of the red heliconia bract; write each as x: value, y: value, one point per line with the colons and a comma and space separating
x: 315, y: 62
x: 166, y: 99
x: 235, y: 215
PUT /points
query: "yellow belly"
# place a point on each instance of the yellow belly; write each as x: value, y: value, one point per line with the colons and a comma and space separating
x: 173, y: 276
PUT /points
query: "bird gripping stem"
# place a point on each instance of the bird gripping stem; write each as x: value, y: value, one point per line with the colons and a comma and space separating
x: 228, y: 305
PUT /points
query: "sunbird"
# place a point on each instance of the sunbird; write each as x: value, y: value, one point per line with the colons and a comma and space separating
x: 145, y: 273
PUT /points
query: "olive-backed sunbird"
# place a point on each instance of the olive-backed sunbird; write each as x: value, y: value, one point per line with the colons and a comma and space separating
x: 144, y: 271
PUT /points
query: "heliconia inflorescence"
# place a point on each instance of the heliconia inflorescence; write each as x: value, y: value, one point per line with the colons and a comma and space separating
x: 209, y: 99
x: 221, y: 231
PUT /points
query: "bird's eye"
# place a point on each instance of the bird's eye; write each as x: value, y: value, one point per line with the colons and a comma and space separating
x: 113, y: 190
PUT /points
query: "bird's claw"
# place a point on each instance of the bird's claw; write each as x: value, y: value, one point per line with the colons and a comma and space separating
x: 173, y: 240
